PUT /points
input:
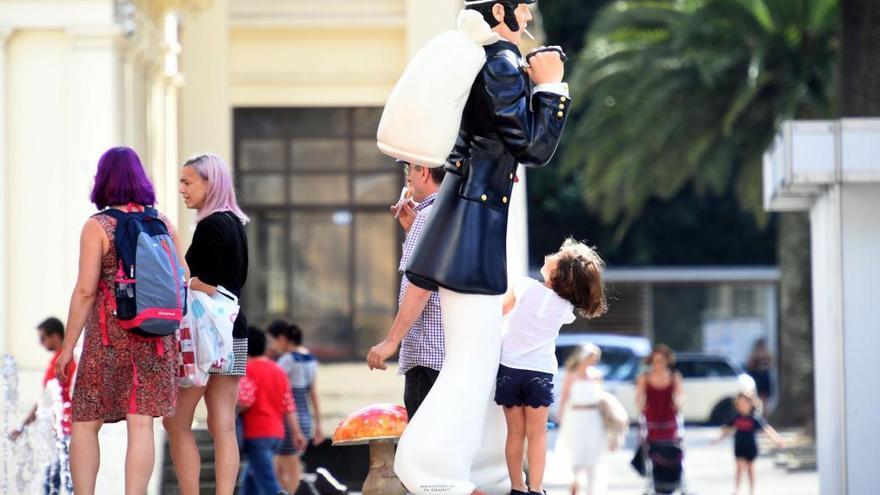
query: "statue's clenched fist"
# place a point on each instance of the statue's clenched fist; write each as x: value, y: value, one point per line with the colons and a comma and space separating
x: 545, y: 65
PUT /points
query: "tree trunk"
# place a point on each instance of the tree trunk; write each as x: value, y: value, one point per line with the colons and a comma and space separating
x: 859, y: 66
x: 858, y: 96
x: 796, y: 391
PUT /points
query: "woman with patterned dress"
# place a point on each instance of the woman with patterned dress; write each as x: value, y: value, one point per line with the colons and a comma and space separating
x: 301, y: 367
x: 217, y: 256
x: 120, y: 376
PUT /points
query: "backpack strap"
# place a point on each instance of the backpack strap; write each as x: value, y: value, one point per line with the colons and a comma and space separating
x: 113, y: 212
x: 102, y: 311
x: 135, y: 211
x: 131, y: 209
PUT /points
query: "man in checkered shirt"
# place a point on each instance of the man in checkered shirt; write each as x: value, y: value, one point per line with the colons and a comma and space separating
x: 418, y: 332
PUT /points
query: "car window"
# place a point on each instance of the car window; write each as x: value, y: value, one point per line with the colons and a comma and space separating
x: 626, y: 372
x: 613, y: 358
x: 713, y: 368
x: 686, y: 368
x: 563, y: 352
x: 615, y: 362
x: 719, y: 368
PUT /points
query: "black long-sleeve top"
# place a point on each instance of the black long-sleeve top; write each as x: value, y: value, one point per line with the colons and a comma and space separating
x: 218, y: 255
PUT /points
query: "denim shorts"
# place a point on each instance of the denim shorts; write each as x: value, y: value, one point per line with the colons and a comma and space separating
x: 515, y: 387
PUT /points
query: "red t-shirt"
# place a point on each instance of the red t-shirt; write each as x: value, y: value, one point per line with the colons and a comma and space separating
x: 65, y: 388
x: 266, y: 389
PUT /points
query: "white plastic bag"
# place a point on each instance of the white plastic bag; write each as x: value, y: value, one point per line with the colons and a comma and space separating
x: 422, y: 117
x: 190, y: 374
x: 212, y: 319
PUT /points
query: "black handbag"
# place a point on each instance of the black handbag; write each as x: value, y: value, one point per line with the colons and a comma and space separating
x: 638, y: 461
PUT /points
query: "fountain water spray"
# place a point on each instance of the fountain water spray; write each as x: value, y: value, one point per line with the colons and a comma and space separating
x: 8, y: 404
x: 41, y: 450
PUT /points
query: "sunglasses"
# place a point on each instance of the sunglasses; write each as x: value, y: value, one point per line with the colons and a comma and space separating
x: 407, y: 168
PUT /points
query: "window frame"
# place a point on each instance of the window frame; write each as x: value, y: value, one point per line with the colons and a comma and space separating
x: 242, y: 117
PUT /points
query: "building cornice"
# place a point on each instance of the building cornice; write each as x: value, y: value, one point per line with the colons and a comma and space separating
x: 317, y: 13
x: 808, y: 156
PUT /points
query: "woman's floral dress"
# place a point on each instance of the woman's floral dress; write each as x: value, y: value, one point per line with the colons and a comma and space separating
x: 120, y: 373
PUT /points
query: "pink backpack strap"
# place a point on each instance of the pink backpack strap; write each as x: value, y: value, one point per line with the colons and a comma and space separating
x: 108, y: 302
x: 107, y: 223
x: 132, y: 398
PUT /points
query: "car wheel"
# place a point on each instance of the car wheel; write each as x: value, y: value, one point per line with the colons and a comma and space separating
x: 722, y: 412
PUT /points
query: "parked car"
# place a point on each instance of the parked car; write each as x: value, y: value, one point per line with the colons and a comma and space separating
x: 622, y: 356
x: 711, y: 382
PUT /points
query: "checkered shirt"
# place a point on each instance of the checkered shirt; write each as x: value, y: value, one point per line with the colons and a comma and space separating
x: 423, y: 345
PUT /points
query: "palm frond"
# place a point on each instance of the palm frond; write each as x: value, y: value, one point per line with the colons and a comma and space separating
x: 671, y: 93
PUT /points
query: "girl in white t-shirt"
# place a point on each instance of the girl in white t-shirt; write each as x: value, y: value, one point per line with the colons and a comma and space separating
x: 535, y: 312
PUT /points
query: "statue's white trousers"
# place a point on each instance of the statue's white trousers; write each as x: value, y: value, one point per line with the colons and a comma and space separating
x: 455, y: 443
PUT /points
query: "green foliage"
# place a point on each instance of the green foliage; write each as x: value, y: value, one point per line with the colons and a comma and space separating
x: 566, y: 21
x: 672, y: 94
x: 685, y: 230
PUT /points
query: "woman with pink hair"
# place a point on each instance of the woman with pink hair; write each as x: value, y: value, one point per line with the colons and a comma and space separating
x: 218, y: 256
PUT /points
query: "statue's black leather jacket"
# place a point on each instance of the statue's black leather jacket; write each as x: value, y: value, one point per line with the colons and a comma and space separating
x: 463, y: 247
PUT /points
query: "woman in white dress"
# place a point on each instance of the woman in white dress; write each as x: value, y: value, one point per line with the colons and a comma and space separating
x: 582, y: 434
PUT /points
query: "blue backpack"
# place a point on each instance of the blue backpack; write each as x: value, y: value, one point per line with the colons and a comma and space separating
x: 150, y: 284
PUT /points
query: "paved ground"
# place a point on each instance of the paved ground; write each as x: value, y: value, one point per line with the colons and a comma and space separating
x: 708, y: 470
x: 345, y: 388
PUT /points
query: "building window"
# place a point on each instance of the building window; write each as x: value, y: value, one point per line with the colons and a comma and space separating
x: 323, y: 247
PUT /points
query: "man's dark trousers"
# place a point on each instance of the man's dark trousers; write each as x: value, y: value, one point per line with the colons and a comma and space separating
x: 417, y: 384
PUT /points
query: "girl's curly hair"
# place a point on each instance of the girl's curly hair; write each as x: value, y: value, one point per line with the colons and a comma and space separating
x: 578, y: 278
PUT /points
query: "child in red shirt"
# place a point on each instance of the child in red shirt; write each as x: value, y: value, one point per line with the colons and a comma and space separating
x: 266, y: 400
x: 51, y: 333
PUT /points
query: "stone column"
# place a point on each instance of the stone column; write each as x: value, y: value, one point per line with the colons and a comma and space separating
x: 162, y: 87
x: 94, y: 123
x: 831, y: 169
x: 5, y: 33
x: 424, y: 20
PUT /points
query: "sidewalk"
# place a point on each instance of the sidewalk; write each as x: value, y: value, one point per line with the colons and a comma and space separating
x: 709, y: 470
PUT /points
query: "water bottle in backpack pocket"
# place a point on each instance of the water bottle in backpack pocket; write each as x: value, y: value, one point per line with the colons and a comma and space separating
x: 126, y: 307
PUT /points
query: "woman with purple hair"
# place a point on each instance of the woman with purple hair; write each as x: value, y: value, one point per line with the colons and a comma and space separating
x: 120, y: 376
x: 218, y: 256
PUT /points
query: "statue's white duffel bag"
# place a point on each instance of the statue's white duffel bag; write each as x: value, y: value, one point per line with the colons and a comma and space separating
x: 423, y: 114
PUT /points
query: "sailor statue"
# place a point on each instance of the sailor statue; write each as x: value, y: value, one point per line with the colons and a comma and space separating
x: 513, y: 113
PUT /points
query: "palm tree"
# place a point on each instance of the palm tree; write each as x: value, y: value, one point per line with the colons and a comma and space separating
x: 678, y: 93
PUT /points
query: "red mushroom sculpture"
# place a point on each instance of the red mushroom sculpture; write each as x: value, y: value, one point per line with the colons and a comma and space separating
x: 380, y: 426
